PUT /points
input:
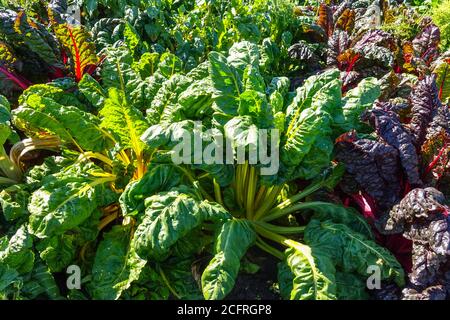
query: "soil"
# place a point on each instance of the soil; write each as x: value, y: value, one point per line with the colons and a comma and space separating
x: 257, y: 286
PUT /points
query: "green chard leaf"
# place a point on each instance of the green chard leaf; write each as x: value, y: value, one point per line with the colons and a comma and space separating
x: 52, y: 91
x: 40, y: 283
x: 159, y: 177
x: 16, y: 252
x: 127, y: 122
x: 110, y: 272
x: 350, y: 287
x: 165, y: 101
x: 312, y: 274
x: 69, y: 123
x: 306, y: 92
x: 357, y: 100
x: 14, y: 201
x: 352, y: 251
x: 66, y: 200
x: 118, y: 72
x: 339, y: 214
x: 169, y: 216
x: 233, y: 240
x: 92, y: 90
x: 57, y: 251
x: 242, y: 55
x: 169, y: 65
x: 227, y: 84
x: 7, y: 277
x: 9, y: 172
x: 196, y: 101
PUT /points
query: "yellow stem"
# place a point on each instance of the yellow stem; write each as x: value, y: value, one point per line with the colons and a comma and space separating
x: 243, y: 182
x: 260, y: 195
x: 140, y: 166
x: 217, y: 193
x: 238, y: 185
x: 251, y: 189
x: 268, y: 202
x: 96, y: 155
x: 107, y: 220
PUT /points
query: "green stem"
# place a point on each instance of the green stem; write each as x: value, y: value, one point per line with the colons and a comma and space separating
x: 295, y: 198
x: 268, y: 202
x: 280, y: 229
x: 166, y: 281
x: 260, y: 195
x: 102, y: 180
x: 284, y: 241
x: 275, y: 214
x: 218, y: 193
x: 251, y: 189
x: 269, y: 249
x: 203, y: 176
x: 7, y: 181
x: 195, y: 183
x: 140, y: 164
x: 270, y: 235
x: 121, y: 80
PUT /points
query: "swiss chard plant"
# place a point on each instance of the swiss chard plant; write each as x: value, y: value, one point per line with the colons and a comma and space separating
x: 38, y: 49
x: 161, y: 145
x: 244, y: 207
x: 62, y: 204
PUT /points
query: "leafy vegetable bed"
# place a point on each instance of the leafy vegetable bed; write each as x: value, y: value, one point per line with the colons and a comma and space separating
x: 336, y: 114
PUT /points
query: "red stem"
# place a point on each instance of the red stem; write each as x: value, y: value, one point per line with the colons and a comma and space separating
x: 436, y: 159
x: 364, y: 205
x: 78, y: 71
x: 24, y: 84
x: 352, y: 62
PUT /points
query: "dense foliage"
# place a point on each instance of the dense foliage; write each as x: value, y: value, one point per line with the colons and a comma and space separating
x: 353, y: 95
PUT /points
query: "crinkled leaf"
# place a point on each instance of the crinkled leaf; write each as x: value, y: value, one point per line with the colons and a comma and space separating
x: 352, y: 251
x: 226, y: 82
x: 373, y: 165
x: 350, y: 287
x: 165, y: 101
x: 424, y: 100
x: 325, y: 18
x: 168, y: 217
x: 16, y: 252
x: 57, y: 251
x: 110, y: 271
x: 70, y: 124
x: 66, y: 200
x: 313, y: 273
x: 14, y: 201
x: 76, y: 41
x: 159, y: 177
x: 388, y: 126
x: 124, y: 120
x: 232, y: 242
x: 241, y: 55
x: 25, y: 31
x: 337, y: 43
x: 92, y: 90
x: 358, y: 100
x: 52, y: 91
